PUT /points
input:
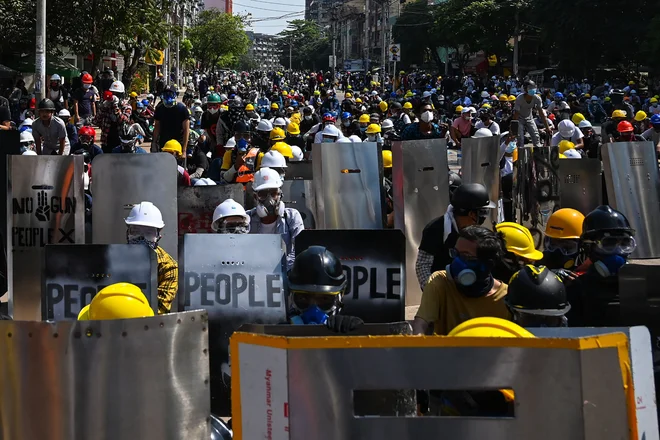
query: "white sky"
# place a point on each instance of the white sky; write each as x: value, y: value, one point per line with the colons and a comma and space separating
x: 274, y: 9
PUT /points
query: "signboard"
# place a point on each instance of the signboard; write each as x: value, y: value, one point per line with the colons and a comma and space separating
x: 374, y: 263
x: 332, y: 61
x: 197, y: 203
x: 45, y: 205
x: 395, y: 52
x: 238, y: 279
x: 74, y: 274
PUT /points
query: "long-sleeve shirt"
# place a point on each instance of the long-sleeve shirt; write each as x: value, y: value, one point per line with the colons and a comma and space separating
x: 288, y: 226
x: 168, y: 280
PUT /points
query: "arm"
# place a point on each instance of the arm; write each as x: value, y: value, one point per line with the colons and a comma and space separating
x: 419, y: 326
x: 154, y: 138
x: 37, y: 144
x: 185, y: 125
x: 75, y: 110
x: 454, y: 133
x: 62, y: 145
x: 423, y: 267
x: 168, y: 282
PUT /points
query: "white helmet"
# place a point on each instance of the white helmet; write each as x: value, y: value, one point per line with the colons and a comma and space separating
x: 572, y: 154
x: 145, y: 214
x: 485, y: 94
x: 566, y: 128
x: 426, y: 94
x: 117, y: 87
x: 387, y: 123
x: 197, y: 109
x: 331, y: 130
x: 197, y: 102
x: 205, y: 181
x: 344, y: 140
x: 483, y: 133
x: 231, y: 143
x: 584, y: 124
x: 31, y: 153
x: 228, y: 208
x: 281, y: 122
x: 56, y: 77
x: 266, y: 178
x: 64, y: 114
x: 26, y: 123
x: 264, y: 125
x: 26, y: 136
x: 273, y: 159
x: 297, y: 154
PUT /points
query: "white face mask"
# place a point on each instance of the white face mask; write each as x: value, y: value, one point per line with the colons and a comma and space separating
x: 427, y: 116
x: 307, y: 118
x: 213, y: 110
x: 86, y: 86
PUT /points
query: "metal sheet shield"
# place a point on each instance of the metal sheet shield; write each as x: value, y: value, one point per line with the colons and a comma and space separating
x: 580, y: 184
x: 197, y: 203
x: 633, y: 187
x: 73, y: 275
x: 374, y: 263
x: 481, y: 165
x: 299, y: 170
x: 143, y: 378
x: 123, y: 180
x: 238, y: 279
x: 299, y: 194
x: 46, y: 206
x: 348, y: 186
x: 421, y: 194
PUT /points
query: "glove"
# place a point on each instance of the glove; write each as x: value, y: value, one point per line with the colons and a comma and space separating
x: 343, y: 324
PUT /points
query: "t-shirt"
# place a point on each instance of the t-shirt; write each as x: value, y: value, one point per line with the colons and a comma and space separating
x: 170, y: 121
x: 84, y: 99
x: 492, y: 126
x: 525, y: 108
x: 50, y: 135
x: 432, y: 243
x: 464, y: 126
x: 413, y: 132
x: 443, y: 305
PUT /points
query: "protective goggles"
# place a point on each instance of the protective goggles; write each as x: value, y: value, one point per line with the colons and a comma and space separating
x: 614, y: 245
x: 566, y: 246
x: 148, y: 232
x: 453, y: 253
x: 324, y: 301
x: 264, y: 193
x: 213, y: 106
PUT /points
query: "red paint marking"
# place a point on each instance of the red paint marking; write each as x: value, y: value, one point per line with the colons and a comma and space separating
x: 286, y: 410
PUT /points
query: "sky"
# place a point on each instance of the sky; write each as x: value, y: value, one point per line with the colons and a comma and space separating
x: 270, y: 10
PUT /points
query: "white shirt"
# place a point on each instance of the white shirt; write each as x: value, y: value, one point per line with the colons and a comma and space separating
x: 268, y: 228
x: 493, y: 127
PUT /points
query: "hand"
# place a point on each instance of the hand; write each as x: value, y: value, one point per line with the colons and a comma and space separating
x: 240, y: 161
x: 43, y: 209
x: 343, y: 324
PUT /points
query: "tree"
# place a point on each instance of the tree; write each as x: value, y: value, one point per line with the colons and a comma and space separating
x: 247, y: 62
x: 218, y: 39
x: 415, y: 39
x: 309, y: 47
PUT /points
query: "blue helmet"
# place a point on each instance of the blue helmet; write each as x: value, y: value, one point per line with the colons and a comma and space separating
x: 139, y: 105
x: 346, y: 115
x: 294, y: 103
x: 559, y: 95
x: 145, y: 102
x: 655, y: 119
x: 334, y: 114
x: 327, y: 115
x: 393, y: 95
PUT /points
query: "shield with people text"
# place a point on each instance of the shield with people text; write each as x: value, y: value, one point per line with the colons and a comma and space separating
x: 481, y: 164
x: 74, y: 274
x: 421, y: 193
x: 348, y: 185
x: 633, y: 187
x: 238, y: 279
x: 374, y: 262
x: 46, y: 206
x: 121, y: 181
x: 580, y: 184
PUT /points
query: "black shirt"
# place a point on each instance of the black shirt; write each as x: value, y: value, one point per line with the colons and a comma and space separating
x: 432, y: 243
x: 170, y: 121
x: 5, y: 114
x: 594, y: 301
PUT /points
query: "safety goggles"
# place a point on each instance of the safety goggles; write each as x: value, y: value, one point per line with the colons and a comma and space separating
x: 453, y: 253
x: 213, y: 106
x: 148, y: 232
x: 566, y: 246
x: 324, y: 301
x: 614, y: 245
x: 264, y: 193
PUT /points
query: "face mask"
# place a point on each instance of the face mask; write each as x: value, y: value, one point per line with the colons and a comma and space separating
x: 346, y: 123
x: 143, y: 235
x: 234, y: 228
x: 556, y: 259
x: 531, y: 92
x: 328, y: 140
x: 511, y: 147
x: 363, y: 129
x: 270, y: 206
x: 473, y: 279
x: 312, y: 315
x: 308, y: 118
x: 427, y: 116
x: 86, y: 86
x: 212, y: 110
x: 371, y: 138
x: 609, y: 265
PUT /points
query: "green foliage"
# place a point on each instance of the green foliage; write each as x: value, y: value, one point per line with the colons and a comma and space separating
x: 309, y: 47
x: 218, y: 39
x: 139, y: 84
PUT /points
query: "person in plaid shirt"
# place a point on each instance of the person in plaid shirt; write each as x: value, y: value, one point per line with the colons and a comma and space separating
x: 144, y: 224
x: 114, y: 112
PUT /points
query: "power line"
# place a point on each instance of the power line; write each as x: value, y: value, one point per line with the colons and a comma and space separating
x: 289, y: 15
x: 261, y: 9
x: 275, y: 3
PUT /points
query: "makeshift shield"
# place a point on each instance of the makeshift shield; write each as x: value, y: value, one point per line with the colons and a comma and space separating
x: 421, y: 193
x: 238, y: 279
x: 123, y: 180
x: 197, y: 203
x: 580, y: 184
x: 9, y: 145
x: 348, y: 183
x: 299, y: 170
x: 74, y: 274
x: 481, y: 164
x: 374, y: 264
x: 45, y: 199
x: 633, y: 187
x: 299, y: 194
x: 141, y: 378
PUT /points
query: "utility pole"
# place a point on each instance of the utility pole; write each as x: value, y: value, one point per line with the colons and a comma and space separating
x: 290, y: 56
x: 516, y: 37
x: 40, y: 49
x: 166, y: 64
x: 383, y: 50
x: 178, y: 41
x: 365, y: 65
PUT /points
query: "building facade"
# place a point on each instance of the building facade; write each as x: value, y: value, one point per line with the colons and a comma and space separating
x: 222, y: 5
x: 264, y: 51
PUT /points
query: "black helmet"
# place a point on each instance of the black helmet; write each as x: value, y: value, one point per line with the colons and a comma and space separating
x: 535, y: 289
x: 219, y: 430
x: 241, y: 127
x: 46, y: 104
x: 604, y: 219
x: 316, y: 269
x: 454, y: 181
x: 396, y: 106
x: 470, y: 197
x: 529, y: 84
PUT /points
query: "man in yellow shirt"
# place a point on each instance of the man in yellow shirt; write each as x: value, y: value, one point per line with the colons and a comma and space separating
x: 466, y: 289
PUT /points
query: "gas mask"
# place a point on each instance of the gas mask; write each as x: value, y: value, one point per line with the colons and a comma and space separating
x: 226, y: 227
x: 472, y: 277
x: 313, y: 308
x: 560, y: 253
x: 148, y: 235
x: 212, y: 110
x: 610, y: 254
x: 308, y: 117
x: 270, y: 205
x: 169, y: 100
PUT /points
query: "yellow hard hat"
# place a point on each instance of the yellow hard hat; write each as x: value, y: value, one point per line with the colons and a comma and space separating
x: 640, y: 116
x: 408, y: 94
x: 322, y: 85
x: 618, y: 114
x: 173, y: 146
x: 284, y: 93
x: 274, y: 106
x: 295, y: 118
x: 565, y: 145
x: 519, y: 240
x: 654, y: 100
x: 350, y: 87
x: 359, y: 101
x: 577, y: 118
x: 504, y: 98
x: 372, y: 128
x: 407, y: 105
x: 317, y: 92
x: 133, y: 95
x: 458, y: 109
x: 364, y: 119
x: 387, y: 159
x: 486, y: 105
x: 293, y: 128
x: 608, y: 99
x: 224, y: 106
x: 631, y: 83
x: 587, y: 95
x: 117, y: 301
x: 512, y: 98
x: 491, y: 328
x: 565, y: 223
x: 283, y: 148
x: 562, y: 156
x: 249, y: 108
x: 382, y: 106
x: 277, y: 134
x: 348, y: 95
x: 211, y: 88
